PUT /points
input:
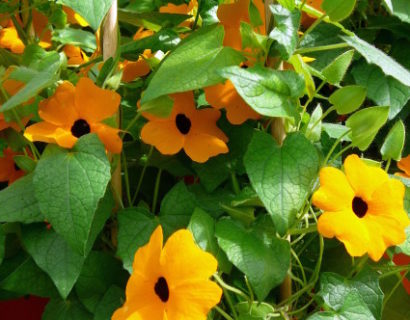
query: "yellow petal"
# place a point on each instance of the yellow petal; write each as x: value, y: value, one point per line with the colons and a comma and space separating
x: 335, y: 192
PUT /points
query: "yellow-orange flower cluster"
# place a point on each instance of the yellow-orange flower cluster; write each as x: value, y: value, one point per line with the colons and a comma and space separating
x: 362, y: 207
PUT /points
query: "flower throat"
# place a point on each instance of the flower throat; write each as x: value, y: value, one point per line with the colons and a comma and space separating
x: 161, y: 289
x: 359, y: 207
x: 183, y: 123
x: 80, y: 128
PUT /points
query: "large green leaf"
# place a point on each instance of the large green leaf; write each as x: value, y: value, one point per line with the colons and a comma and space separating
x: 111, y: 301
x: 265, y: 264
x: 336, y: 70
x: 382, y: 89
x: 286, y: 29
x: 27, y: 278
x: 365, y: 124
x: 93, y: 11
x: 202, y: 226
x: 54, y: 256
x: 69, y: 185
x: 2, y: 244
x: 18, y: 202
x: 338, y: 10
x: 76, y: 37
x: 193, y: 64
x: 375, y: 56
x: 269, y: 92
x: 348, y: 99
x: 352, y: 308
x: 282, y: 176
x: 70, y: 309
x: 399, y: 8
x: 100, y: 272
x: 334, y: 289
x: 135, y: 226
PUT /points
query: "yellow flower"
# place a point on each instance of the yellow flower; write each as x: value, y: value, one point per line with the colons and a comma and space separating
x: 170, y: 283
x: 75, y: 111
x: 10, y: 39
x: 187, y: 127
x: 74, y: 18
x: 362, y: 207
x: 404, y: 165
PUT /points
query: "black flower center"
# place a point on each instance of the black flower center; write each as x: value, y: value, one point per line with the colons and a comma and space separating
x: 80, y: 128
x: 161, y: 289
x: 183, y: 123
x: 244, y: 66
x: 16, y: 167
x: 359, y: 207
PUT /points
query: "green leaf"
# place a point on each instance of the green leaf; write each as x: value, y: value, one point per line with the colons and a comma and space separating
x: 76, y: 37
x: 337, y: 69
x: 160, y: 107
x: 194, y: 64
x: 265, y: 265
x: 202, y: 226
x: 135, y: 226
x: 335, y: 131
x: 269, y: 92
x: 383, y: 90
x: 28, y: 278
x: 393, y: 309
x: 18, y: 202
x: 257, y: 311
x: 93, y: 11
x: 69, y: 185
x: 252, y: 39
x: 25, y: 163
x: 314, y: 135
x: 111, y: 301
x: 338, y: 10
x: 394, y: 143
x: 334, y: 289
x: 71, y: 309
x: 286, y: 29
x: 99, y: 273
x: 176, y: 208
x: 375, y: 56
x: 2, y: 244
x: 348, y: 99
x: 365, y: 124
x: 53, y: 255
x: 352, y: 308
x: 282, y: 176
x: 399, y: 8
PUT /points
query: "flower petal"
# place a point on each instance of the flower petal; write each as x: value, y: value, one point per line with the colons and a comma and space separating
x: 335, y: 192
x: 404, y: 165
x: 93, y: 103
x: 135, y: 69
x: 9, y: 39
x: 233, y: 13
x: 364, y: 179
x: 47, y: 132
x: 204, y: 121
x: 184, y: 261
x: 164, y: 135
x: 59, y: 108
x: 200, y: 147
x: 109, y: 136
x: 348, y: 228
x: 193, y: 300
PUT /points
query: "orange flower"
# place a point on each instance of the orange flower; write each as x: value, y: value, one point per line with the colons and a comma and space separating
x: 139, y: 68
x: 74, y: 18
x: 404, y: 165
x: 193, y: 130
x: 170, y: 282
x: 75, y: 55
x: 10, y: 39
x: 180, y: 9
x: 307, y: 20
x: 362, y: 207
x: 75, y: 111
x: 9, y: 172
x: 224, y: 95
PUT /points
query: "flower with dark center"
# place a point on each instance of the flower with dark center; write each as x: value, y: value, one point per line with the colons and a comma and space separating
x: 76, y: 111
x: 362, y: 207
x: 186, y: 128
x: 164, y: 281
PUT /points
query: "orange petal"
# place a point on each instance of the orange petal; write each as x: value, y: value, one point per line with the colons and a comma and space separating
x: 40, y: 24
x: 404, y: 165
x: 109, y: 136
x: 74, y: 18
x: 9, y: 39
x: 233, y: 13
x: 348, y: 228
x: 200, y: 147
x: 233, y: 38
x: 133, y: 70
x: 93, y: 103
x: 335, y: 192
x: 204, y: 121
x: 193, y: 300
x: 193, y: 264
x: 59, y: 109
x: 363, y: 178
x: 6, y: 165
x: 47, y: 132
x: 164, y: 135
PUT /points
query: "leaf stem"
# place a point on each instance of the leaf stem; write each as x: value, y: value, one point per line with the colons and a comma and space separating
x: 334, y: 146
x: 156, y: 190
x: 310, y: 229
x: 223, y: 313
x: 394, y: 288
x: 142, y: 175
x: 312, y: 27
x: 322, y: 48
